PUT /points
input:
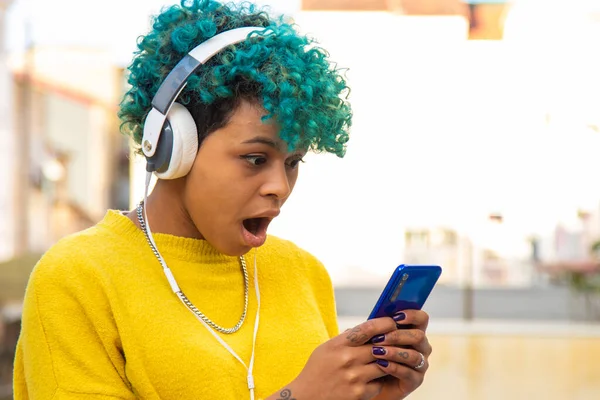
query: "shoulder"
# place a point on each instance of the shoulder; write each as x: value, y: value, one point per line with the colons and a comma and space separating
x: 76, y: 255
x: 280, y: 250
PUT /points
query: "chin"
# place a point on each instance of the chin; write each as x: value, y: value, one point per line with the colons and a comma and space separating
x: 240, y: 250
x: 233, y: 250
x: 243, y: 250
x: 245, y: 242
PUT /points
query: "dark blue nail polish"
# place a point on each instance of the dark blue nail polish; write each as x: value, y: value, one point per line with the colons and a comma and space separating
x: 378, y: 351
x: 400, y: 317
x: 383, y: 363
x: 378, y: 339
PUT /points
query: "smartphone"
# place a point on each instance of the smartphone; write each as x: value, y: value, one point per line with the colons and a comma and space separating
x: 408, y: 288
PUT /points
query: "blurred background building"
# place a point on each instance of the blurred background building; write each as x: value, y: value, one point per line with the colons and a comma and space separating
x: 474, y: 146
x: 481, y: 140
x: 66, y: 161
x: 7, y: 170
x: 64, y: 101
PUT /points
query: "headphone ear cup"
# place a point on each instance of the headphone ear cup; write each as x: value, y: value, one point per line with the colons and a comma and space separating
x: 185, y: 143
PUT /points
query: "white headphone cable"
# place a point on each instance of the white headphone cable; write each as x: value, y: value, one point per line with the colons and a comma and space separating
x: 177, y: 291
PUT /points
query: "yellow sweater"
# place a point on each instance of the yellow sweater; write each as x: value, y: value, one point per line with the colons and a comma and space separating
x: 100, y: 320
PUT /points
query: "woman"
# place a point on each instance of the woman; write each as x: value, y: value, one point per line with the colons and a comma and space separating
x: 158, y: 302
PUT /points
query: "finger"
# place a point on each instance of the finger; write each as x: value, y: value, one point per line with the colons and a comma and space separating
x: 409, y: 357
x: 372, y: 371
x: 425, y: 347
x: 412, y: 318
x: 356, y: 356
x: 367, y: 390
x: 402, y: 372
x: 372, y: 389
x: 414, y: 338
x: 419, y: 340
x: 363, y: 333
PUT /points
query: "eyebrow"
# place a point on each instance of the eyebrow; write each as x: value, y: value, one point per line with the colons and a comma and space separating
x: 277, y: 145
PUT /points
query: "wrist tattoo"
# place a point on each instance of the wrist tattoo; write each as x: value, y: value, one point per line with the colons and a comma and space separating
x: 286, y: 394
x: 355, y: 336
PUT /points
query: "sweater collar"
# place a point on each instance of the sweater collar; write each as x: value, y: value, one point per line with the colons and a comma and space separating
x: 182, y: 248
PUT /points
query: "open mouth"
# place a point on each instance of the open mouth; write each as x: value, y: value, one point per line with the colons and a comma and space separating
x: 255, y: 230
x: 252, y: 225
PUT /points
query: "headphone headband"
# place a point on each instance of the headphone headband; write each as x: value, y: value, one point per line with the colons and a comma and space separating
x: 176, y: 80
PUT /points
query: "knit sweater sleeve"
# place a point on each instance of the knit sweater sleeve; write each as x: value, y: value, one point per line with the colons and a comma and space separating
x: 69, y: 345
x: 324, y: 293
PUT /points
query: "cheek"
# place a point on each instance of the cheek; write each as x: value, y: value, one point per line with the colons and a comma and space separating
x: 292, y: 178
x: 217, y: 191
x: 204, y: 186
x: 210, y: 172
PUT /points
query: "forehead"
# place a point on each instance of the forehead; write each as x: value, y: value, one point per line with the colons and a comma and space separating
x: 246, y: 127
x: 247, y: 118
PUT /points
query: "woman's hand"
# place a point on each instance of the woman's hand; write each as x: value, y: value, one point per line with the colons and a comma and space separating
x: 343, y: 367
x: 403, y: 355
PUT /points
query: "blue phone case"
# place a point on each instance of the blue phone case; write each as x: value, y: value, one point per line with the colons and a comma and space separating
x: 408, y: 288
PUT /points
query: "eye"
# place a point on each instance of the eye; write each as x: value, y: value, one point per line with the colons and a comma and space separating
x: 293, y: 163
x: 255, y: 160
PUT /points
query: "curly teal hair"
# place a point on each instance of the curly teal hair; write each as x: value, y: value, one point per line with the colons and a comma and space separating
x: 283, y: 71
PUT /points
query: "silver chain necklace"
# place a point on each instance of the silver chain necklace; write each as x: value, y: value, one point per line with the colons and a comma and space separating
x: 184, y: 298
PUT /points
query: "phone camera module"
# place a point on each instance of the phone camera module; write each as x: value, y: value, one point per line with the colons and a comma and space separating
x: 399, y: 287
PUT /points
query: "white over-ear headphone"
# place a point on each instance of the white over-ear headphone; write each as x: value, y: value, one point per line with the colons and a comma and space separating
x: 170, y: 139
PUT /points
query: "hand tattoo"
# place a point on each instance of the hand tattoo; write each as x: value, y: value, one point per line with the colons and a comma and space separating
x: 286, y: 394
x: 355, y: 336
x: 403, y: 354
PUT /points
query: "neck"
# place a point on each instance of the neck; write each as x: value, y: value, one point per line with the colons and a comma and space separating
x: 166, y: 212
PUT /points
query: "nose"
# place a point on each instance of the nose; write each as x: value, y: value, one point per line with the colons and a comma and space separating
x: 277, y: 184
